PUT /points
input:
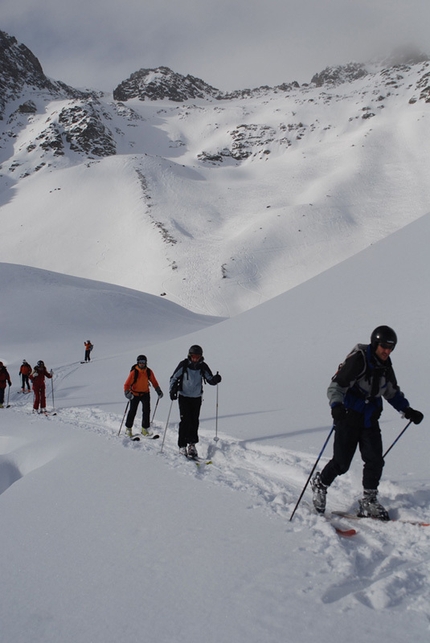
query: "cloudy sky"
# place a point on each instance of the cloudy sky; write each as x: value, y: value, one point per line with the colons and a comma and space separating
x: 230, y: 44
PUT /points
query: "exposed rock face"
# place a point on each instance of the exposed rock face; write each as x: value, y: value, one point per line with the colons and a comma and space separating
x: 163, y: 84
x: 20, y: 67
x: 332, y: 76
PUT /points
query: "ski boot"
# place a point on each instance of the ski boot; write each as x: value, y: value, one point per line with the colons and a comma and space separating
x: 146, y: 432
x: 369, y: 507
x: 129, y: 433
x: 183, y: 451
x: 320, y: 493
x: 192, y: 451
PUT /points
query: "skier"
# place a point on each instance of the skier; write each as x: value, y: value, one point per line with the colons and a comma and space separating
x: 38, y: 379
x: 186, y: 385
x: 88, y: 348
x: 136, y: 389
x: 4, y: 379
x: 356, y: 405
x: 24, y: 371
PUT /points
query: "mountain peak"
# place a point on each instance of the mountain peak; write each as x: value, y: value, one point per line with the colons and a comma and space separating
x: 163, y: 83
x: 20, y: 67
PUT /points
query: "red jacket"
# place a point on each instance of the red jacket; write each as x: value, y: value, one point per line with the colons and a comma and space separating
x: 25, y: 369
x: 38, y: 376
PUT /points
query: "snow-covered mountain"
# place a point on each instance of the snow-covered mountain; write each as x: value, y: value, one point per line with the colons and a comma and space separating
x: 217, y: 201
x: 106, y: 540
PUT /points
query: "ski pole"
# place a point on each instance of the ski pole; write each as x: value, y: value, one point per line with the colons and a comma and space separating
x: 398, y: 438
x: 52, y: 391
x: 311, y: 473
x: 156, y: 404
x: 165, y: 430
x: 123, y: 417
x: 216, y: 438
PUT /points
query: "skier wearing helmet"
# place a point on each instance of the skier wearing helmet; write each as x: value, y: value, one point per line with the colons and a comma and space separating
x: 355, y: 396
x: 186, y: 385
x: 38, y: 380
x: 88, y: 348
x: 25, y: 371
x: 4, y: 379
x: 136, y: 389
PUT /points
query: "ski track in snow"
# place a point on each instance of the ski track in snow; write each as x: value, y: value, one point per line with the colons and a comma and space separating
x: 384, y: 565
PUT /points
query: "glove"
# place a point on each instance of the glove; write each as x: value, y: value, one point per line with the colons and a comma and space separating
x: 159, y: 392
x: 415, y: 416
x: 216, y: 379
x: 129, y: 395
x: 10, y: 383
x: 173, y: 395
x: 338, y: 413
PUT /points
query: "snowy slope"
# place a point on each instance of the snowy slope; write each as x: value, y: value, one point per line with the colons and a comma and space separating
x: 218, y: 204
x: 104, y: 539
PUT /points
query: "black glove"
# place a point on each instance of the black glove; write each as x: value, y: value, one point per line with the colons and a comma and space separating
x: 216, y: 379
x: 129, y: 395
x: 338, y: 413
x: 159, y: 392
x: 173, y: 395
x: 415, y: 416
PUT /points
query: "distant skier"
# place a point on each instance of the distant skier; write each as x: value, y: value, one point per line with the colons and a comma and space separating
x: 356, y: 405
x: 186, y: 385
x: 38, y: 379
x: 4, y: 379
x: 88, y: 348
x: 136, y: 389
x: 25, y: 371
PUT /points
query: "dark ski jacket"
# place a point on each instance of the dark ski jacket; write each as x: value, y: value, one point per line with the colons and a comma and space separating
x: 361, y: 382
x: 188, y: 377
x: 4, y: 377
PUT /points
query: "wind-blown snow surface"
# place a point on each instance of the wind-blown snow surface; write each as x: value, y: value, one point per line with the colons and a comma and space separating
x: 106, y: 540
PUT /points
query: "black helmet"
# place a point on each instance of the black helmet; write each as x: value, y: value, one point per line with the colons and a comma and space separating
x: 40, y: 363
x: 141, y: 358
x: 383, y: 335
x: 195, y: 349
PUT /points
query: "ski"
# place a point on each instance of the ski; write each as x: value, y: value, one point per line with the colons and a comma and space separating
x: 199, y: 461
x: 345, y: 533
x: 349, y: 516
x: 45, y: 413
x: 136, y: 437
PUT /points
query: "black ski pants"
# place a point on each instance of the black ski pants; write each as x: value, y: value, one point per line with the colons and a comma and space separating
x: 189, y: 410
x: 346, y: 439
x: 144, y: 399
x: 25, y: 382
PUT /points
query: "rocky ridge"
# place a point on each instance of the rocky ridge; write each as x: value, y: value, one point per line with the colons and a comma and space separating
x: 45, y: 120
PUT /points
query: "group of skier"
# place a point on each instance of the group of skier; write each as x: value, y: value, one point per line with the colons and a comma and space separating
x: 355, y: 396
x: 186, y: 385
x: 28, y: 374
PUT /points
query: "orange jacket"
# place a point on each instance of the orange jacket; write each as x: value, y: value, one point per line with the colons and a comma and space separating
x: 25, y: 369
x: 138, y: 380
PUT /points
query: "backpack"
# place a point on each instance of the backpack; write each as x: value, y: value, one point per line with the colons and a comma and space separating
x: 136, y: 373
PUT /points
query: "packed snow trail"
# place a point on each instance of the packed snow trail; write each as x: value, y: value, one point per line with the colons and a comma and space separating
x: 385, y: 564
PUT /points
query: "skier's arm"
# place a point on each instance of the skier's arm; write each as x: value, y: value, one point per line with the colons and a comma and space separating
x: 345, y: 377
